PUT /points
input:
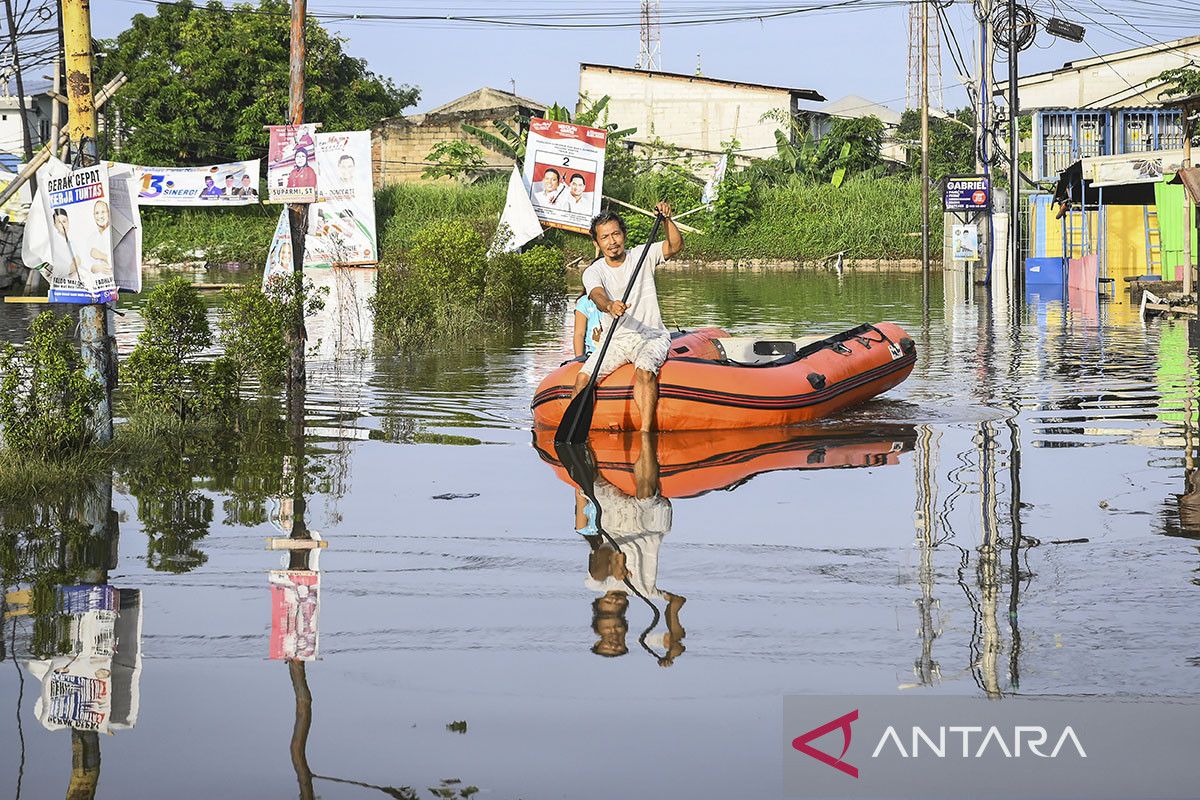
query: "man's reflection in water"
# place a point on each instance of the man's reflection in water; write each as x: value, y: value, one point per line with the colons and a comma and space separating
x: 625, y: 533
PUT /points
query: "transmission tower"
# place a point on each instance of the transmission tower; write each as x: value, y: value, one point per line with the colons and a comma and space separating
x: 651, y: 44
x: 913, y: 88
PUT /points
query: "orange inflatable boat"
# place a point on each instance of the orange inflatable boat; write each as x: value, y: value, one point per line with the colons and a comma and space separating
x: 691, y: 463
x: 712, y: 380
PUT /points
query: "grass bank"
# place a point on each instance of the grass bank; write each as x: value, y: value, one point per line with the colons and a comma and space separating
x: 797, y: 221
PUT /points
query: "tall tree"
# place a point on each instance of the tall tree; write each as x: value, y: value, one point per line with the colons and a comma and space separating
x: 204, y: 80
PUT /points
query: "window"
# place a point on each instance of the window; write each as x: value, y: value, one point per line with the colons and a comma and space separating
x: 1149, y: 129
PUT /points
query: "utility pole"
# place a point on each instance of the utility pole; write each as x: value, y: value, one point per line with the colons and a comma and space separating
x: 298, y: 219
x: 95, y: 320
x: 925, y: 142
x: 26, y: 141
x: 982, y: 112
x: 1014, y: 147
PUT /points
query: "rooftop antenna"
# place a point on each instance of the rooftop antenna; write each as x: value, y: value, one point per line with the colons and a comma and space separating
x: 651, y: 40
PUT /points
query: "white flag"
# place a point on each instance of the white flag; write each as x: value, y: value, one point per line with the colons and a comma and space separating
x: 519, y: 223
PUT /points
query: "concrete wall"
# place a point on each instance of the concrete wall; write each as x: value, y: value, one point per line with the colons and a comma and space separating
x: 691, y: 113
x: 400, y: 145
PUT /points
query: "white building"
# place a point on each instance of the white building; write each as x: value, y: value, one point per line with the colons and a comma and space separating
x: 693, y: 112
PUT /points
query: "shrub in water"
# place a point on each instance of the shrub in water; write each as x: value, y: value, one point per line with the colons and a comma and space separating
x: 445, y: 281
x: 164, y: 373
x: 46, y: 401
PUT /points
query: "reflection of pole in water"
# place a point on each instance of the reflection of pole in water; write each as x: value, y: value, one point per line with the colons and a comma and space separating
x: 299, y: 744
x: 926, y: 669
x: 1014, y: 567
x: 988, y: 668
x: 85, y: 765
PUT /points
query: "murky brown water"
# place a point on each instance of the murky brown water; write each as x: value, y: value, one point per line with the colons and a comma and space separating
x: 929, y: 541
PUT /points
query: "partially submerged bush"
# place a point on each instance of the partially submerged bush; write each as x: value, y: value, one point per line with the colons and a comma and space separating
x: 446, y: 281
x: 164, y: 373
x: 46, y: 401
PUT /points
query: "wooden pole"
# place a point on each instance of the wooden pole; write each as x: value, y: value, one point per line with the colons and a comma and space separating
x: 96, y: 341
x: 26, y: 141
x: 298, y: 224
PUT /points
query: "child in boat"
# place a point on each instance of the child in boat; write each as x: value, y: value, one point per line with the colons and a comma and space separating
x: 587, y: 325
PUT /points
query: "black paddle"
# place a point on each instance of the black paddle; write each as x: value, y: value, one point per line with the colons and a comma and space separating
x: 577, y: 419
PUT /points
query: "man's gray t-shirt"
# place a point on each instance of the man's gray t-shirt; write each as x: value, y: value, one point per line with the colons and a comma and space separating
x: 643, y: 315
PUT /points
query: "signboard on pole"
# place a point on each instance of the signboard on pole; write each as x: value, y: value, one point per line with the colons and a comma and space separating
x: 564, y: 167
x: 292, y: 164
x: 79, y: 209
x: 967, y: 193
x: 233, y: 184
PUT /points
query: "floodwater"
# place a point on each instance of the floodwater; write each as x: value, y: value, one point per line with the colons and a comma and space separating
x: 1022, y: 516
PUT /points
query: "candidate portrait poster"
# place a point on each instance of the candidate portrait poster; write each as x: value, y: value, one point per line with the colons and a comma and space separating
x: 964, y: 242
x: 564, y: 167
x: 292, y: 168
x: 234, y: 184
x: 341, y: 224
x: 78, y: 206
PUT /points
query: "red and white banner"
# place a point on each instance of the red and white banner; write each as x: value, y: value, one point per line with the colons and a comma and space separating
x: 564, y: 168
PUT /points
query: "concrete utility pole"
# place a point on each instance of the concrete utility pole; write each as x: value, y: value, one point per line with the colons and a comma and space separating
x: 95, y: 323
x: 925, y: 142
x: 298, y: 219
x: 1014, y: 148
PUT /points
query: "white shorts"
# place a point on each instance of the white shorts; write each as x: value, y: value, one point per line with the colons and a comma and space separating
x: 644, y: 351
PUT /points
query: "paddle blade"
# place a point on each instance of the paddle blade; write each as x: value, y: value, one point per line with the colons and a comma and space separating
x: 577, y: 419
x: 578, y: 463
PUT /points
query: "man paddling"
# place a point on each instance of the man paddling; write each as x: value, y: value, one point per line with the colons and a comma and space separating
x: 640, y: 338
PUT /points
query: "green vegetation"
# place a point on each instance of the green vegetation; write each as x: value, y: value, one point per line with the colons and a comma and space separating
x: 203, y: 80
x: 1182, y: 81
x: 46, y: 401
x: 182, y: 235
x: 164, y: 373
x: 445, y: 281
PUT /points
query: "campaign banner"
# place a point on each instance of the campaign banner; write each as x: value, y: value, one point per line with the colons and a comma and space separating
x: 78, y: 207
x: 295, y: 602
x: 964, y: 242
x: 564, y: 167
x: 341, y: 224
x: 292, y: 164
x: 234, y: 184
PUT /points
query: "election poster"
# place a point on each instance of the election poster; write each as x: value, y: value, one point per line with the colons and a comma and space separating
x: 341, y: 225
x: 295, y: 602
x: 564, y: 167
x: 964, y: 242
x: 234, y: 184
x: 292, y: 164
x: 78, y: 206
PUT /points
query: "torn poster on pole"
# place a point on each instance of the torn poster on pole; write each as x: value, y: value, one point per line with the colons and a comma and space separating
x: 564, y: 167
x: 233, y: 184
x: 341, y: 224
x: 43, y: 233
x: 78, y: 207
x: 292, y: 164
x: 295, y: 603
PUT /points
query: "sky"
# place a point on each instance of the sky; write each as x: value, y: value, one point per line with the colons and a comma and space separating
x: 840, y: 51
